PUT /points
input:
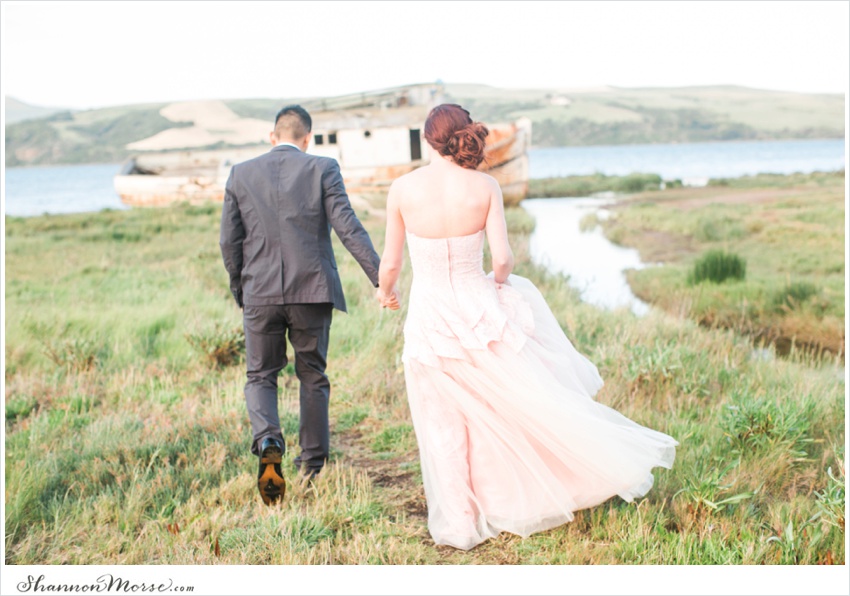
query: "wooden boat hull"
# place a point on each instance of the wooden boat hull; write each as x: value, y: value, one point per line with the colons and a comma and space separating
x: 160, y: 179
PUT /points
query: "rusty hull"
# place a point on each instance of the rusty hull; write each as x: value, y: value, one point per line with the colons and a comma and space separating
x: 506, y: 159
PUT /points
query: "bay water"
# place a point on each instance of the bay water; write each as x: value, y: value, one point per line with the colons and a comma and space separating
x: 80, y: 188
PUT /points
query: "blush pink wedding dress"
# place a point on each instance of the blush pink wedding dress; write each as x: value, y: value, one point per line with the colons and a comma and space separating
x: 510, y: 437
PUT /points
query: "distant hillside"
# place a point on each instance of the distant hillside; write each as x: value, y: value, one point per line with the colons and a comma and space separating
x: 16, y: 111
x: 561, y: 117
x: 615, y: 116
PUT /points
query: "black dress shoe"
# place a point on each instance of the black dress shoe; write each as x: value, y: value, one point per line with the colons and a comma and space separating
x: 270, y: 478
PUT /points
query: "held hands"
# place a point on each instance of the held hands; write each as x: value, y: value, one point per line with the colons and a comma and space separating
x: 499, y: 284
x: 391, y: 300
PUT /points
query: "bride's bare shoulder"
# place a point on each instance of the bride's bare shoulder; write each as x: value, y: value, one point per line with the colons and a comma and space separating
x: 404, y: 181
x: 488, y: 181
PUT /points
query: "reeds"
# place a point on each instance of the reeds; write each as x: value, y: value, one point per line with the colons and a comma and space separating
x: 143, y: 457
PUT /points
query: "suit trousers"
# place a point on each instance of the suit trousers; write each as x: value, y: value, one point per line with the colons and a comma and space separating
x: 308, y: 327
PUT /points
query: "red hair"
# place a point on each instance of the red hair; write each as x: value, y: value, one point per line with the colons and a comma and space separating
x: 451, y: 132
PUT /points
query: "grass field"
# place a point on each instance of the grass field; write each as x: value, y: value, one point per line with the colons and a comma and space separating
x: 126, y: 444
x: 788, y: 229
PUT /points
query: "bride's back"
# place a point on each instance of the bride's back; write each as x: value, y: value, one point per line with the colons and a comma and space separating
x: 442, y: 201
x: 448, y: 198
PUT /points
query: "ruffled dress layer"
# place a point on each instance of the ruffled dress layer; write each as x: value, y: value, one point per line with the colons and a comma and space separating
x: 510, y: 437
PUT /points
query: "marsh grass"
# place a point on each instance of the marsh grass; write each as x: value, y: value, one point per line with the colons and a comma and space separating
x: 717, y: 266
x: 583, y: 186
x: 788, y: 230
x: 142, y: 455
x: 221, y: 345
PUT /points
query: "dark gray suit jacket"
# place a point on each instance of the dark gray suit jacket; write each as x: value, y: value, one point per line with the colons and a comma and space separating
x: 275, y: 230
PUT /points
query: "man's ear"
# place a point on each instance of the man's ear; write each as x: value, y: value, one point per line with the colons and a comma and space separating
x: 273, y: 139
x: 305, y: 142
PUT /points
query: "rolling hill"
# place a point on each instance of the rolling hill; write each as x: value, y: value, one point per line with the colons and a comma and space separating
x: 561, y: 117
x: 17, y: 110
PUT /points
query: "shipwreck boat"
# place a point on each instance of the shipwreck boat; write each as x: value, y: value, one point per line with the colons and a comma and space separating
x: 376, y: 137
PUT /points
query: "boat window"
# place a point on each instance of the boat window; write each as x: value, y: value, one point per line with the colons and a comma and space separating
x: 331, y: 138
x: 415, y: 145
x: 320, y: 139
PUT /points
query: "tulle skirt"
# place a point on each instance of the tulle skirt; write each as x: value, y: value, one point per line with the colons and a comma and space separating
x: 510, y: 437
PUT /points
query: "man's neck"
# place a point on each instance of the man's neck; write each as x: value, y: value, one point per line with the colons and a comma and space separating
x: 289, y: 143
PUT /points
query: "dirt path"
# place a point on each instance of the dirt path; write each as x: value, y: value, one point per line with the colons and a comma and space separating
x: 397, y: 485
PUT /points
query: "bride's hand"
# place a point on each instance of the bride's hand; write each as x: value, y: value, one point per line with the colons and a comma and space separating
x: 391, y: 300
x: 499, y: 284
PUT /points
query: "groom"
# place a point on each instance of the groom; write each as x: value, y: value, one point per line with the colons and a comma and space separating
x: 276, y: 244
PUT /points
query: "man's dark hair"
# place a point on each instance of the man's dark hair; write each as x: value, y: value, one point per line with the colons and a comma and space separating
x: 292, y: 122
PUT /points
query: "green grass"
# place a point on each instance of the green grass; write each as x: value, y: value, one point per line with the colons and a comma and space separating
x: 717, y: 266
x: 788, y: 229
x: 583, y: 186
x: 117, y: 428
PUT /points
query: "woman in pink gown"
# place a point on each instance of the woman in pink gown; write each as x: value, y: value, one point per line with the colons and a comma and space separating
x: 510, y: 437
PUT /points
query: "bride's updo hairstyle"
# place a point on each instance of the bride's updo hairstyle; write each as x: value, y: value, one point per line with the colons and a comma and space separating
x: 451, y: 132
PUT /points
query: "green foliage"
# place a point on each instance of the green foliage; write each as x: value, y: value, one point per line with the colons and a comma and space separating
x: 655, y: 126
x: 589, y: 222
x: 705, y: 489
x: 351, y: 418
x: 396, y: 438
x: 714, y: 228
x: 73, y: 353
x: 148, y: 462
x: 811, y: 179
x: 717, y: 266
x: 637, y: 183
x: 794, y: 232
x: 519, y: 221
x: 219, y: 344
x: 20, y: 407
x: 830, y: 500
x: 793, y: 295
x: 307, y: 530
x: 583, y: 186
x: 82, y: 138
x: 757, y: 425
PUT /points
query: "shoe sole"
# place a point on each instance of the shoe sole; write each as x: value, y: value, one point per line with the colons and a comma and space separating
x: 271, y: 483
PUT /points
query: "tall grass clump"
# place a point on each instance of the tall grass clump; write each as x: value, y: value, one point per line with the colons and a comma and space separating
x: 220, y: 345
x: 583, y: 186
x: 717, y: 266
x: 637, y: 182
x: 793, y: 295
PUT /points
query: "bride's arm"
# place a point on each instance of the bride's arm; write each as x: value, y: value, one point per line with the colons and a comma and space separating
x: 497, y: 236
x: 392, y: 258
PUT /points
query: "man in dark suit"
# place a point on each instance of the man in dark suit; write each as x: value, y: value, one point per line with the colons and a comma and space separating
x: 275, y: 241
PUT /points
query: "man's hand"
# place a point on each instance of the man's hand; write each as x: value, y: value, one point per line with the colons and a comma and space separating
x: 391, y: 300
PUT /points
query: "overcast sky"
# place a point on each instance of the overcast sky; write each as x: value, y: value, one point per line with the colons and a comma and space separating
x: 83, y: 55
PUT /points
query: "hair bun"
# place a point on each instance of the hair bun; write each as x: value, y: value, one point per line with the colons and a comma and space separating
x: 466, y: 146
x: 451, y: 131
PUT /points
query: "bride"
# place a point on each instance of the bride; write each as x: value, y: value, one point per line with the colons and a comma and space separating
x: 510, y: 437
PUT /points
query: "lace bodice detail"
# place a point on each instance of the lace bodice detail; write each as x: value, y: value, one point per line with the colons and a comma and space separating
x: 445, y: 261
x: 454, y: 305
